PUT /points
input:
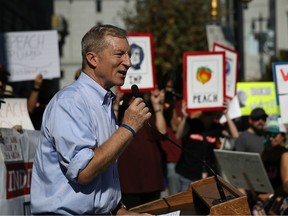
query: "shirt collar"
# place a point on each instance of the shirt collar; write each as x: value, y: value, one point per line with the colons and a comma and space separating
x: 105, y: 96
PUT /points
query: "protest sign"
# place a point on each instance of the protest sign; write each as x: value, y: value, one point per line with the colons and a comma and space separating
x: 15, y: 176
x: 204, y: 80
x: 283, y: 101
x: 257, y: 94
x: 28, y: 53
x: 141, y: 72
x: 233, y: 110
x: 231, y: 72
x: 280, y: 75
x: 14, y: 112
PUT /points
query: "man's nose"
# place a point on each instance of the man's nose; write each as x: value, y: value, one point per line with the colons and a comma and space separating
x: 127, y: 61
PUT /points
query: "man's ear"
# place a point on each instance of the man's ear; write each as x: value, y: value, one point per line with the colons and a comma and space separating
x: 91, y: 59
x: 250, y: 121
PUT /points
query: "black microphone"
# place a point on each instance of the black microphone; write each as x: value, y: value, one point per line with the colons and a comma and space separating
x: 223, y: 197
x: 135, y: 91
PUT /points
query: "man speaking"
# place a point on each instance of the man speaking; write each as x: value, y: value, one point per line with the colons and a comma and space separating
x: 75, y: 169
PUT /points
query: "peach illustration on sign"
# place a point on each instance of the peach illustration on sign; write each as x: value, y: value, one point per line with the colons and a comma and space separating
x: 204, y: 74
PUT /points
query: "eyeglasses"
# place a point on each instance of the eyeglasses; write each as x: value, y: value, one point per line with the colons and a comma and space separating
x: 259, y: 118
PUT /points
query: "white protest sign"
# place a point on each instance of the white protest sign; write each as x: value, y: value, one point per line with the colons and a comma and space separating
x: 10, y: 147
x: 280, y: 75
x: 234, y: 110
x: 14, y: 112
x: 231, y: 72
x: 204, y: 80
x: 283, y: 102
x: 15, y: 177
x: 29, y: 53
x: 142, y: 70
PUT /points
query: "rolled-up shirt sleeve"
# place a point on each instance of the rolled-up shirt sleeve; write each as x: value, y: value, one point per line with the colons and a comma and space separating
x: 78, y: 163
x: 73, y: 137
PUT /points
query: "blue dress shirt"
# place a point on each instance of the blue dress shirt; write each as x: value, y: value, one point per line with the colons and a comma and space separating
x: 77, y: 120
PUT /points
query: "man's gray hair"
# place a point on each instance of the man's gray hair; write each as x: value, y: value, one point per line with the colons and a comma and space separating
x: 94, y: 39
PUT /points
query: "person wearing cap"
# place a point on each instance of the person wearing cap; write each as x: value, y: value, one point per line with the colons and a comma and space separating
x: 275, y: 160
x: 252, y: 139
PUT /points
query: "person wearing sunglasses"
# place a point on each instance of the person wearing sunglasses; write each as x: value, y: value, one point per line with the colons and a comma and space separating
x: 252, y: 139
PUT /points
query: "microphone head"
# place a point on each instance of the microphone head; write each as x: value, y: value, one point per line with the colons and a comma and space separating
x: 135, y: 91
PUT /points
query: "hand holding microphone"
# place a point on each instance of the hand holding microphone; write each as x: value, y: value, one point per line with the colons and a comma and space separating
x: 136, y: 114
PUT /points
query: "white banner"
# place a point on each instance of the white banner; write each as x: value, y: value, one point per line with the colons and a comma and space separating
x: 14, y: 112
x: 25, y: 54
x: 15, y: 176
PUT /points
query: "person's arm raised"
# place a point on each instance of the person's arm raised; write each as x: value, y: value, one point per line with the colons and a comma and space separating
x: 157, y: 99
x: 32, y: 100
x: 232, y: 127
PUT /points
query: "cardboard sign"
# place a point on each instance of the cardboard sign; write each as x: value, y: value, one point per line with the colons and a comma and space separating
x: 25, y: 54
x: 10, y: 146
x: 15, y: 177
x: 283, y: 102
x: 280, y: 75
x: 233, y: 111
x: 142, y: 72
x: 14, y: 112
x: 204, y: 80
x: 231, y: 70
x: 257, y: 94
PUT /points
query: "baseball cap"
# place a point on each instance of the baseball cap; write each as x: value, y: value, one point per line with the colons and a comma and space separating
x: 258, y: 113
x: 274, y: 126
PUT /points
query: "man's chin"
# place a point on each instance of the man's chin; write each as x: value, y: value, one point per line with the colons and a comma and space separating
x: 259, y: 132
x: 120, y: 83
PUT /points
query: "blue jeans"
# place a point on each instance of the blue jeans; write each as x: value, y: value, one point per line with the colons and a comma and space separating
x: 184, y: 183
x: 173, y: 179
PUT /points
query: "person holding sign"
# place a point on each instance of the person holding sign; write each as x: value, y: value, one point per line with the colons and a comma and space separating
x: 75, y: 166
x: 200, y: 132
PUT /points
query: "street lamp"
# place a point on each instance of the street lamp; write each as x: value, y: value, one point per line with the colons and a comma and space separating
x: 261, y: 36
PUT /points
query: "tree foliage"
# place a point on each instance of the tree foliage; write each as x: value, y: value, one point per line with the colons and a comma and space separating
x: 177, y: 26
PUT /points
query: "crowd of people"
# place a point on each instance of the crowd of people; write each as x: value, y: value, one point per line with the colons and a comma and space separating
x: 109, y: 151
